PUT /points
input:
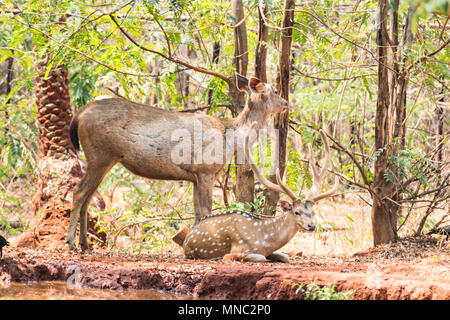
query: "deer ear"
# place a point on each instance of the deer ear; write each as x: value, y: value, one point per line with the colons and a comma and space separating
x: 256, y: 85
x: 242, y: 82
x: 285, y: 205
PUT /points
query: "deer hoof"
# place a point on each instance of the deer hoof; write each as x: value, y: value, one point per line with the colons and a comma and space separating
x: 84, y: 246
x: 278, y: 256
x: 73, y: 248
x: 71, y: 245
x: 255, y: 257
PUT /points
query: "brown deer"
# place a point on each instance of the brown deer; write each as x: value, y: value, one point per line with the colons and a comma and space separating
x: 243, y: 236
x: 148, y: 142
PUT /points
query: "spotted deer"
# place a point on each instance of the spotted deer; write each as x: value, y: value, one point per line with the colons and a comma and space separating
x: 239, y: 235
x: 142, y: 138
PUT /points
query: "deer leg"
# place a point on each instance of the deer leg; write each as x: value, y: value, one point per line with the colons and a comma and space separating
x: 203, y: 195
x: 197, y: 206
x: 278, y: 256
x: 83, y: 223
x: 238, y: 252
x: 72, y: 225
x: 95, y: 179
x: 255, y: 257
x: 81, y: 199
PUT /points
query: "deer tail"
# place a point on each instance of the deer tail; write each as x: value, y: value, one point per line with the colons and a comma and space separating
x: 73, y: 132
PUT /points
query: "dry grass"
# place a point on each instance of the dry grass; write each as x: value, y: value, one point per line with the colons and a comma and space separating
x: 344, y: 223
x: 344, y: 228
x: 347, y: 230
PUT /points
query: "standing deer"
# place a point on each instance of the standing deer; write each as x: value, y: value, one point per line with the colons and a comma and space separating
x: 143, y: 139
x: 240, y: 235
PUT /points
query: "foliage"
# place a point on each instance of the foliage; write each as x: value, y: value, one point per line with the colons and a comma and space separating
x: 148, y: 217
x: 312, y: 291
x: 333, y: 86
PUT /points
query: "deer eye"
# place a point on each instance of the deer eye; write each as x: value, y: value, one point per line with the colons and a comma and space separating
x: 297, y: 213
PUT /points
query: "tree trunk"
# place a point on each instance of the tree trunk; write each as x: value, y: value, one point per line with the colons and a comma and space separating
x: 54, y: 113
x: 183, y: 78
x: 245, y: 181
x: 240, y: 38
x: 215, y: 60
x: 59, y: 170
x: 382, y: 227
x: 155, y: 69
x: 185, y: 90
x: 261, y: 47
x: 8, y: 79
x: 439, y: 116
x: 390, y: 121
x: 281, y: 121
x: 383, y: 231
x: 240, y: 59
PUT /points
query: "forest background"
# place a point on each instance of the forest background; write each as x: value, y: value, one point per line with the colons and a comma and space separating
x: 372, y: 74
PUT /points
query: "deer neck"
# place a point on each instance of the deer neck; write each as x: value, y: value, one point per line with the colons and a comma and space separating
x: 241, y: 126
x: 246, y: 118
x: 280, y: 230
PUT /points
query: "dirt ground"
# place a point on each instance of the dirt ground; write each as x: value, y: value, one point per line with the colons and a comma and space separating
x: 404, y: 270
x: 340, y: 253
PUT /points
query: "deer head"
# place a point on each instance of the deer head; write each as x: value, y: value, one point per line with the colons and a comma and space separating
x: 302, y: 210
x: 262, y: 95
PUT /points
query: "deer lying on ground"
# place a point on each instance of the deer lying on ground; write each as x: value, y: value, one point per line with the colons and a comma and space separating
x: 243, y: 236
x: 143, y: 139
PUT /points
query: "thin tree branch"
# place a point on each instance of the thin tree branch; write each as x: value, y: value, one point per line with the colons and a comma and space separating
x: 84, y: 54
x: 366, y: 185
x: 234, y: 26
x: 422, y: 59
x: 205, y: 107
x: 336, y: 33
x: 175, y: 60
x: 333, y: 79
x: 165, y: 37
x: 358, y: 165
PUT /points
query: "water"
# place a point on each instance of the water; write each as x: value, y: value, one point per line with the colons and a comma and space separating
x: 58, y: 290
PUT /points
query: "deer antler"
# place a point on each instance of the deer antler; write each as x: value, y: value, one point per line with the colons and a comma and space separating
x: 279, y: 187
x: 318, y: 176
